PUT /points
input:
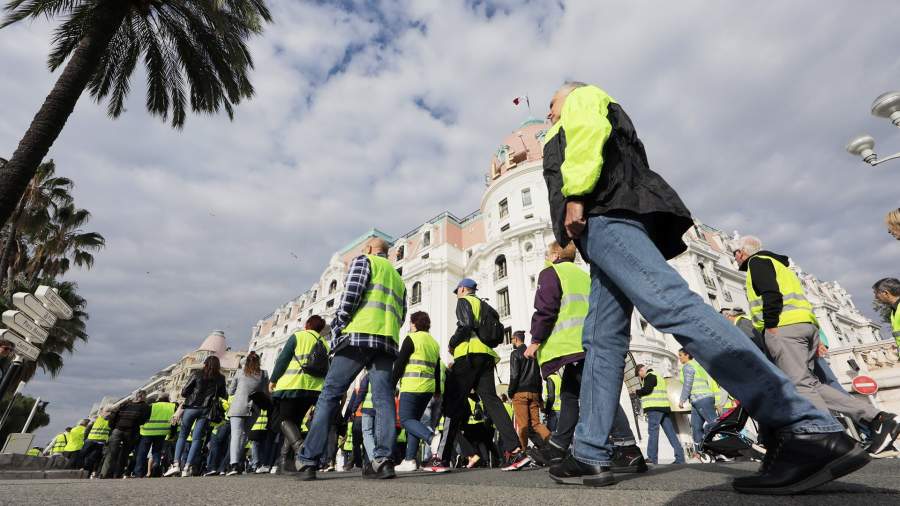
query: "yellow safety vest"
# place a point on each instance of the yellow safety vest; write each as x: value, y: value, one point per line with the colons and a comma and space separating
x: 659, y: 397
x: 565, y: 339
x: 703, y: 384
x: 796, y: 308
x: 418, y: 376
x: 509, y: 410
x: 100, y: 430
x: 59, y: 444
x: 160, y: 421
x: 348, y: 439
x: 473, y: 344
x: 895, y: 325
x: 261, y: 421
x: 556, y: 381
x: 75, y: 440
x: 34, y: 452
x: 472, y: 419
x: 294, y: 378
x: 367, y: 400
x: 381, y: 310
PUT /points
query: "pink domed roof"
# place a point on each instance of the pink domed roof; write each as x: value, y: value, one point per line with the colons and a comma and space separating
x: 214, y: 342
x: 525, y: 144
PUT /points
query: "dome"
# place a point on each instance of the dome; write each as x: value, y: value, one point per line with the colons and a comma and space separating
x: 215, y: 343
x: 522, y: 145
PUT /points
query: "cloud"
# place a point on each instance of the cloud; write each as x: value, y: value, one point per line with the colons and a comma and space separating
x: 369, y: 114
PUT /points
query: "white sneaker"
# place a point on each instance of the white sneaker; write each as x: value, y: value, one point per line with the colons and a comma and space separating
x: 175, y: 469
x: 262, y: 470
x: 407, y: 466
x: 186, y: 472
x: 273, y: 470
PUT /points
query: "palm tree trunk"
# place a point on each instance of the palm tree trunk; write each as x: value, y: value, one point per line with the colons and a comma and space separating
x: 8, y: 247
x: 58, y: 106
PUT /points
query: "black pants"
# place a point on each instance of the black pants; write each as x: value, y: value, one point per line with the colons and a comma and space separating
x: 292, y: 410
x: 473, y: 371
x: 91, y: 454
x: 359, y: 454
x: 120, y: 444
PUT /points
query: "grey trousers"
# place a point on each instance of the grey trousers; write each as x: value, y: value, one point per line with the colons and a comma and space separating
x: 793, y: 349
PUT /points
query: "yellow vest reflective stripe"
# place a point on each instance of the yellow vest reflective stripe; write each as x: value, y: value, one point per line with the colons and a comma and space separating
x: 75, y: 439
x: 261, y: 421
x: 556, y: 381
x: 703, y: 384
x: 381, y: 310
x: 796, y: 308
x: 472, y: 419
x: 473, y: 344
x: 100, y: 430
x: 418, y: 376
x: 59, y: 444
x: 565, y: 339
x: 160, y: 419
x: 294, y: 378
x: 740, y: 317
x: 659, y: 397
x: 895, y: 325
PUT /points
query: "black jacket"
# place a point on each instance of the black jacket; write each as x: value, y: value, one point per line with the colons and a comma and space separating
x: 627, y: 187
x: 524, y: 373
x: 465, y: 323
x: 130, y: 416
x: 766, y: 285
x: 200, y: 392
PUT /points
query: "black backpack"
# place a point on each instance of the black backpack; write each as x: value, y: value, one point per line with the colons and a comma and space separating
x: 317, y: 361
x: 489, y: 330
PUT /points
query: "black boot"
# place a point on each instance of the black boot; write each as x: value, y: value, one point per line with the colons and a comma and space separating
x: 546, y: 455
x: 798, y: 462
x: 293, y: 441
x: 628, y: 459
x: 572, y: 472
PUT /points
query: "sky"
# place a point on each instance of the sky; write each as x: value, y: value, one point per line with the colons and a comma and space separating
x: 383, y: 114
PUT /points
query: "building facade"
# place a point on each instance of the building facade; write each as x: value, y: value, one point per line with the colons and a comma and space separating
x: 502, y: 247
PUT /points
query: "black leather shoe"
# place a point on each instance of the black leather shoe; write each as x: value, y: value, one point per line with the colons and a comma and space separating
x: 628, y: 459
x: 884, y: 432
x: 307, y: 472
x: 368, y: 471
x: 799, y: 462
x: 384, y: 469
x: 573, y: 472
x: 546, y: 455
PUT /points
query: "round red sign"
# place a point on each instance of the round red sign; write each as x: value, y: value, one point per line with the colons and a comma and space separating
x: 865, y: 385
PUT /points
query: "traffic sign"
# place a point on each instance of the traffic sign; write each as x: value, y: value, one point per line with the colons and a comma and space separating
x: 54, y: 302
x: 24, y: 326
x: 30, y: 305
x: 865, y: 385
x: 23, y: 347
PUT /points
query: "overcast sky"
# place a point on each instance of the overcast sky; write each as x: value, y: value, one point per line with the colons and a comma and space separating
x: 385, y: 115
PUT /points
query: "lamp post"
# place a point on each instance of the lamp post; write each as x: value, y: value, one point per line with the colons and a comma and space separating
x: 887, y: 105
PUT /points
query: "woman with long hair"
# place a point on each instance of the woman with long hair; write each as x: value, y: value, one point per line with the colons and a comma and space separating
x: 206, y: 386
x: 247, y: 382
x: 893, y: 223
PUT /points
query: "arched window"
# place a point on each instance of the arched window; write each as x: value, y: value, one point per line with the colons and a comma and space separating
x: 400, y: 252
x: 332, y: 287
x: 416, y: 293
x: 315, y: 295
x: 500, y: 267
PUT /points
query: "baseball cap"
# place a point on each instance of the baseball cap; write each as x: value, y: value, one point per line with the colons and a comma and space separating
x: 467, y: 283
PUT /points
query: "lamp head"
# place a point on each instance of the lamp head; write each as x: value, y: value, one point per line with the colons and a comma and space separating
x: 863, y: 146
x: 887, y: 105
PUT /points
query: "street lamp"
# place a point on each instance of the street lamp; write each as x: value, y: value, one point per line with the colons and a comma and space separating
x: 887, y: 105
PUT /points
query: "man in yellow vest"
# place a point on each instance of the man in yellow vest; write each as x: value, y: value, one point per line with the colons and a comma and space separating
x: 98, y: 435
x: 75, y: 442
x: 153, y: 436
x: 887, y: 292
x: 552, y: 400
x: 473, y: 369
x: 779, y: 308
x: 655, y: 404
x: 418, y: 371
x: 59, y: 442
x: 560, y: 309
x: 698, y: 388
x: 365, y: 334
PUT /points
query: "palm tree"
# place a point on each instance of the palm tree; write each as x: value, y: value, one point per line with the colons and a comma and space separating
x: 43, y: 195
x: 193, y: 50
x: 61, y: 242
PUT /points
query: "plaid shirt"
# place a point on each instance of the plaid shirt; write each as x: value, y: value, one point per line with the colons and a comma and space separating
x: 354, y: 290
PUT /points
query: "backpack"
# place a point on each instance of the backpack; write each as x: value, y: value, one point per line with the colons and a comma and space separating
x: 489, y: 330
x: 317, y: 362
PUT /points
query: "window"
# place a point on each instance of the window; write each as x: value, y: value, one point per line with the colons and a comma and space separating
x: 425, y: 256
x: 712, y: 300
x: 507, y: 335
x: 644, y: 326
x: 503, y: 302
x: 285, y: 328
x: 277, y: 318
x: 416, y: 293
x: 329, y: 304
x: 504, y: 208
x: 528, y: 247
x: 533, y: 281
x: 526, y: 197
x: 400, y: 252
x: 400, y: 271
x: 529, y: 216
x: 426, y: 239
x: 332, y: 287
x: 315, y: 294
x: 504, y: 228
x: 468, y: 254
x: 706, y: 278
x: 500, y: 267
x: 727, y: 296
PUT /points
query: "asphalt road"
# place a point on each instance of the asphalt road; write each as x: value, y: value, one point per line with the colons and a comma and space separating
x: 878, y: 483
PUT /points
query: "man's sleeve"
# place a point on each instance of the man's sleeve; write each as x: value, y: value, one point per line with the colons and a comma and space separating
x: 514, y: 364
x: 648, y: 386
x: 354, y: 288
x: 551, y: 395
x: 688, y: 383
x: 587, y: 128
x: 465, y: 323
x: 284, y: 359
x: 406, y: 349
x: 765, y: 284
x: 547, y: 302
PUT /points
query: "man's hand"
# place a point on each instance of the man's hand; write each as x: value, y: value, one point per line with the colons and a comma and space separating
x: 773, y: 330
x: 531, y: 350
x: 822, y: 351
x: 575, y: 221
x: 271, y: 387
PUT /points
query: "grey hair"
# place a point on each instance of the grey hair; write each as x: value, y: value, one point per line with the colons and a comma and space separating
x: 889, y: 285
x: 749, y: 244
x: 568, y: 86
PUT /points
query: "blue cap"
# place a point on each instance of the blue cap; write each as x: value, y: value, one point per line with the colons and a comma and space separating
x: 468, y: 283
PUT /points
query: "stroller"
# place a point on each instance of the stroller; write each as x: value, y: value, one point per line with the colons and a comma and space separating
x: 726, y: 439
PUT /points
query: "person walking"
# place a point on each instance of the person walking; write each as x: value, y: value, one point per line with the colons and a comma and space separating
x: 153, y: 436
x: 365, y: 335
x: 525, y: 388
x: 887, y: 292
x: 780, y: 310
x: 627, y: 222
x: 294, y: 389
x: 202, y: 393
x: 59, y: 442
x: 655, y: 404
x: 250, y: 380
x: 98, y: 435
x: 473, y: 368
x: 125, y: 422
x: 418, y: 370
x: 74, y: 444
x: 698, y: 388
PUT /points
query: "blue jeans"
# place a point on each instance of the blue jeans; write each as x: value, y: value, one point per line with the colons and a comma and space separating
x: 347, y: 363
x: 367, y: 423
x: 188, y: 417
x: 218, y: 448
x: 703, y: 411
x: 152, y: 444
x: 412, y: 407
x: 628, y: 272
x: 655, y: 420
